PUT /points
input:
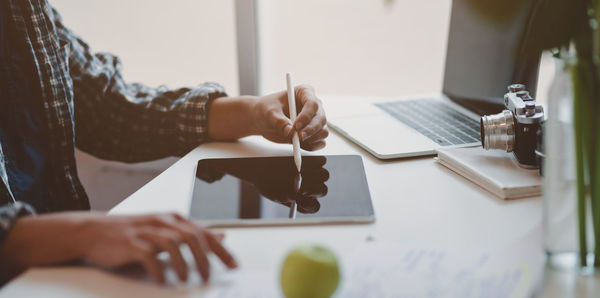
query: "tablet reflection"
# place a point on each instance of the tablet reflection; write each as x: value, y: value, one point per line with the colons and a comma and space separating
x: 276, y: 179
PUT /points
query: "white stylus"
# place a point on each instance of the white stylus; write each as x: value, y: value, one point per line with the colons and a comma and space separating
x: 292, y: 104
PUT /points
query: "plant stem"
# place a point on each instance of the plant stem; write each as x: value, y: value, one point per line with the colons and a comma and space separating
x: 595, y: 192
x: 593, y: 104
x: 578, y: 94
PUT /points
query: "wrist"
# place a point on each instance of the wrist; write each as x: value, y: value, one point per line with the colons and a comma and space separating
x: 17, y: 246
x: 43, y: 240
x: 252, y: 112
x: 81, y: 242
x: 232, y: 117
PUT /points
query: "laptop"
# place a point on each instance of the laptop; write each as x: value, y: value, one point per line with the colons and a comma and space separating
x: 481, y: 61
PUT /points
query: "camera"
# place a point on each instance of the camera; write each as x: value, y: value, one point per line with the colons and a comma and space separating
x: 516, y: 129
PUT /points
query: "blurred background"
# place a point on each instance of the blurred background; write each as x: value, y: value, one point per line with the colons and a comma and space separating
x: 359, y: 47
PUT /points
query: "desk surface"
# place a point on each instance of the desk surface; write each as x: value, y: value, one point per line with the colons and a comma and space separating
x: 416, y: 201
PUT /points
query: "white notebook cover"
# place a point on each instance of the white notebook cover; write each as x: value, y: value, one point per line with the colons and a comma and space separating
x: 496, y: 171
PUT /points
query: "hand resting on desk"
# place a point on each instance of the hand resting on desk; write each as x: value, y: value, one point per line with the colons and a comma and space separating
x: 109, y: 241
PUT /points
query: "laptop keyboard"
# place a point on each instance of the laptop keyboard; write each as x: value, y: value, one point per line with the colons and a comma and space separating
x: 435, y: 120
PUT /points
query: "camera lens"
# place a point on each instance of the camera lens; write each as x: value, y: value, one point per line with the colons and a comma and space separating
x: 497, y: 131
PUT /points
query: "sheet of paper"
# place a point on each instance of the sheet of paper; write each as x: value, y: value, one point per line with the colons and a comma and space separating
x: 384, y: 269
x: 245, y: 285
x: 394, y: 270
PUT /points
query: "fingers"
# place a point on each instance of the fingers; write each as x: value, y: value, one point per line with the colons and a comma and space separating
x: 200, y: 241
x: 146, y: 255
x: 166, y: 240
x: 307, y: 104
x: 308, y: 112
x: 317, y: 124
x: 214, y: 242
x: 315, y: 138
x: 322, y: 134
x: 139, y: 239
x: 196, y: 244
x: 219, y: 236
x: 280, y: 123
x: 312, y: 116
x: 279, y: 129
x: 310, y: 122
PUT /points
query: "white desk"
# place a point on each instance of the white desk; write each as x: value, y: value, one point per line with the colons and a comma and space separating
x: 416, y: 201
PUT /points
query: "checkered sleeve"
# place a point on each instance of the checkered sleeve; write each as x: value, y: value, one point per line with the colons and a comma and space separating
x: 10, y: 213
x: 117, y: 120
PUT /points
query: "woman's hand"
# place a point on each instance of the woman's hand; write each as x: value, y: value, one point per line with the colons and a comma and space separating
x: 271, y: 118
x: 110, y: 241
x: 268, y: 116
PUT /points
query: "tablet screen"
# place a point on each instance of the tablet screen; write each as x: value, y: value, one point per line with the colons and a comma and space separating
x: 328, y: 189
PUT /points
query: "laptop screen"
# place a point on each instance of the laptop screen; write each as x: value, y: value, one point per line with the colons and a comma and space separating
x: 483, y: 42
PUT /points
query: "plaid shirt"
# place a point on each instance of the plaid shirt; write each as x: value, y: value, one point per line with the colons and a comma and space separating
x: 88, y: 104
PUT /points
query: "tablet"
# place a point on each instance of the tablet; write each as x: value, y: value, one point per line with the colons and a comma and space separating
x: 270, y: 191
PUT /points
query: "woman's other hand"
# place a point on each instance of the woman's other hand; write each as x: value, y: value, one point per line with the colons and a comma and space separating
x: 110, y: 241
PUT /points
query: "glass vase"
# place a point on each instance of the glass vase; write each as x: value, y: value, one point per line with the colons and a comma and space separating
x: 562, y: 228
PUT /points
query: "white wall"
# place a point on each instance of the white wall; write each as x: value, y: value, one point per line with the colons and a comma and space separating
x: 358, y: 47
x: 176, y: 42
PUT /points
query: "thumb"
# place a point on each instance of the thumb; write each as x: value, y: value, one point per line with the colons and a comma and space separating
x: 281, y: 123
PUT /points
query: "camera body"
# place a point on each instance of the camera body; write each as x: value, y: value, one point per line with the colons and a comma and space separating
x: 515, y: 129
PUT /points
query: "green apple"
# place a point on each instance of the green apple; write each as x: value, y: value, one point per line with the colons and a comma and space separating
x: 310, y: 271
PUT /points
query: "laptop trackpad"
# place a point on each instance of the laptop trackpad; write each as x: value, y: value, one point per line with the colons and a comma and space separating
x: 384, y: 136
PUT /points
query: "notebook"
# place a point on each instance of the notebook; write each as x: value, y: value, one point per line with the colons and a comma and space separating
x: 495, y: 171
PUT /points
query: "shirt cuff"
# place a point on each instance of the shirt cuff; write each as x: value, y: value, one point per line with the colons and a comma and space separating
x: 192, y: 123
x: 10, y: 213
